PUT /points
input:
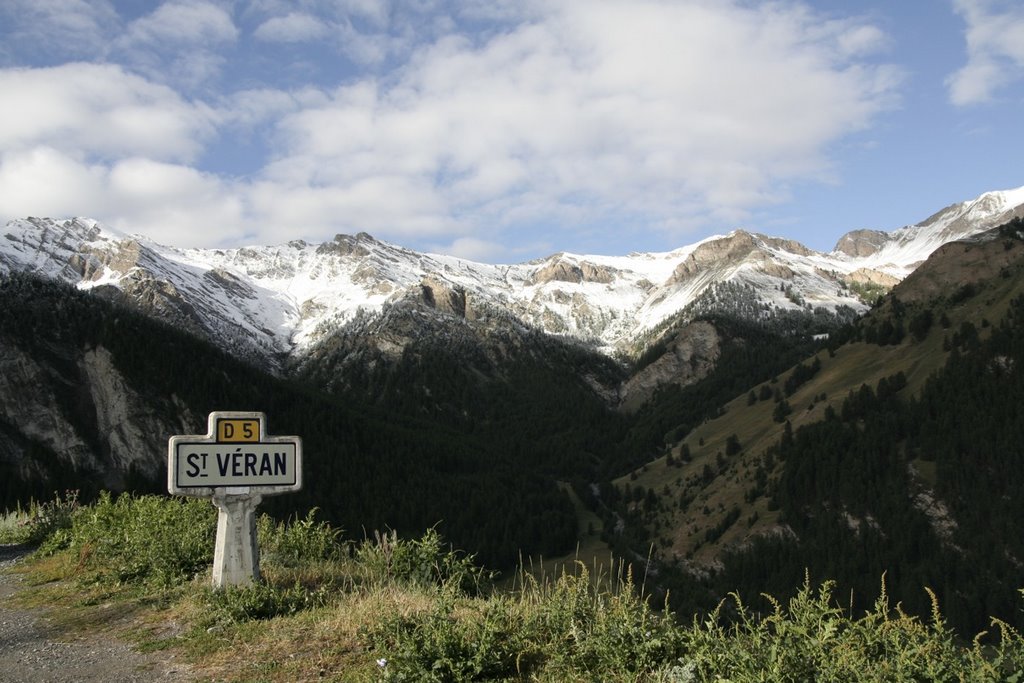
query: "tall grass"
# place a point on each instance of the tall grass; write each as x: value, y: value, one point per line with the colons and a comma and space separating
x: 39, y: 521
x: 428, y: 613
x: 14, y: 526
x: 140, y: 539
x: 570, y: 630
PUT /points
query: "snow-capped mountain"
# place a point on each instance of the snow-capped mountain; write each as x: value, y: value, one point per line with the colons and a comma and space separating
x: 279, y: 301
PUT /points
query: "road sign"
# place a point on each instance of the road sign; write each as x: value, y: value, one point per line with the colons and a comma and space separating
x: 235, y: 453
x: 235, y: 464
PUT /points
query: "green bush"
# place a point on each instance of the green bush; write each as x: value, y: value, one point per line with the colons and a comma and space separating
x: 590, y: 626
x: 426, y: 561
x: 145, y: 538
x: 236, y: 604
x: 44, y: 524
x: 575, y: 631
x: 576, y: 628
x: 814, y: 639
x: 14, y: 526
x: 441, y: 646
x: 299, y: 542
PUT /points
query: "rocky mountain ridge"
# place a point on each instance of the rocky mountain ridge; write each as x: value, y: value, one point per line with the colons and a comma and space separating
x: 272, y: 303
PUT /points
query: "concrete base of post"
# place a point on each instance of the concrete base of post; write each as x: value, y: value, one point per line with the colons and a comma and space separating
x: 236, y: 557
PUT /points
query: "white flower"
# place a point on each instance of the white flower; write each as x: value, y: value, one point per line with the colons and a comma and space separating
x: 382, y: 662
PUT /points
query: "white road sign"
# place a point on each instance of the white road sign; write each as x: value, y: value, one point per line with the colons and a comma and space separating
x: 235, y: 453
x: 258, y: 464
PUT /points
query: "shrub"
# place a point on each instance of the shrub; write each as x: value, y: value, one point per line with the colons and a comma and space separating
x: 781, y: 411
x: 46, y: 524
x: 442, y: 646
x: 301, y: 541
x: 813, y: 639
x: 14, y: 526
x: 610, y: 631
x: 427, y: 561
x: 236, y: 604
x: 145, y: 538
x: 573, y: 629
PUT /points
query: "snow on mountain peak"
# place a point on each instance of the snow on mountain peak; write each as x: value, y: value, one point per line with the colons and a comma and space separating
x: 897, y: 253
x: 278, y: 300
x: 1001, y: 201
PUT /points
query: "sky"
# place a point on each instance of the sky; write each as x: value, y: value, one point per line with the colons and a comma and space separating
x: 501, y: 130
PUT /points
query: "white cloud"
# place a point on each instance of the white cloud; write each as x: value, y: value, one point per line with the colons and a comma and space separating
x: 596, y: 114
x: 45, y: 182
x: 388, y: 205
x: 174, y: 203
x: 481, y: 251
x: 67, y: 28
x: 365, y: 48
x: 181, y: 42
x: 249, y: 108
x: 100, y: 110
x: 499, y: 10
x: 607, y: 107
x: 183, y: 22
x: 94, y: 140
x: 377, y: 12
x: 995, y: 50
x: 294, y: 27
x: 171, y: 203
x: 861, y: 40
x: 367, y: 32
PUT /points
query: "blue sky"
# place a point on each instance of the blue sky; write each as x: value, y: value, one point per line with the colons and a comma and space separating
x: 503, y: 131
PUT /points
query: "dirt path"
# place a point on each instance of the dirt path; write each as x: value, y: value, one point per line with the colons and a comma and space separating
x: 33, y: 651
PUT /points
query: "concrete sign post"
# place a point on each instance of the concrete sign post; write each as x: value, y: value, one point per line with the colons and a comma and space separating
x: 235, y: 464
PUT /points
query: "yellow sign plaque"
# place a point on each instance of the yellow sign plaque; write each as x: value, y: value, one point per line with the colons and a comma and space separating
x: 238, y: 431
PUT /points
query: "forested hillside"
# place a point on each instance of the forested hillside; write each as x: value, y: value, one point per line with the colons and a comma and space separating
x: 533, y: 399
x: 465, y: 433
x: 392, y: 463
x: 910, y: 473
x: 923, y: 489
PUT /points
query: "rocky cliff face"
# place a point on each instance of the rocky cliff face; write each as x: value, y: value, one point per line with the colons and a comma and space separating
x: 871, y: 276
x: 130, y: 429
x: 443, y: 297
x: 31, y: 398
x: 556, y: 269
x: 690, y: 357
x: 861, y: 243
x: 757, y: 253
x: 74, y: 411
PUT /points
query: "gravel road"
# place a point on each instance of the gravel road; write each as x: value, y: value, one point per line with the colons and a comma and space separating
x: 33, y: 651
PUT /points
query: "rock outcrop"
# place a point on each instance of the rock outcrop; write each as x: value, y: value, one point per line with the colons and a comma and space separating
x: 689, y: 357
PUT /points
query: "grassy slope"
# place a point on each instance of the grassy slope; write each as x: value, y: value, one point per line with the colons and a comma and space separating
x: 680, y: 530
x: 365, y: 624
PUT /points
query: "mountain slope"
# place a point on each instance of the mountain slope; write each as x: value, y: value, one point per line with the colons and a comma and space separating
x: 885, y: 453
x: 91, y: 391
x: 271, y: 302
